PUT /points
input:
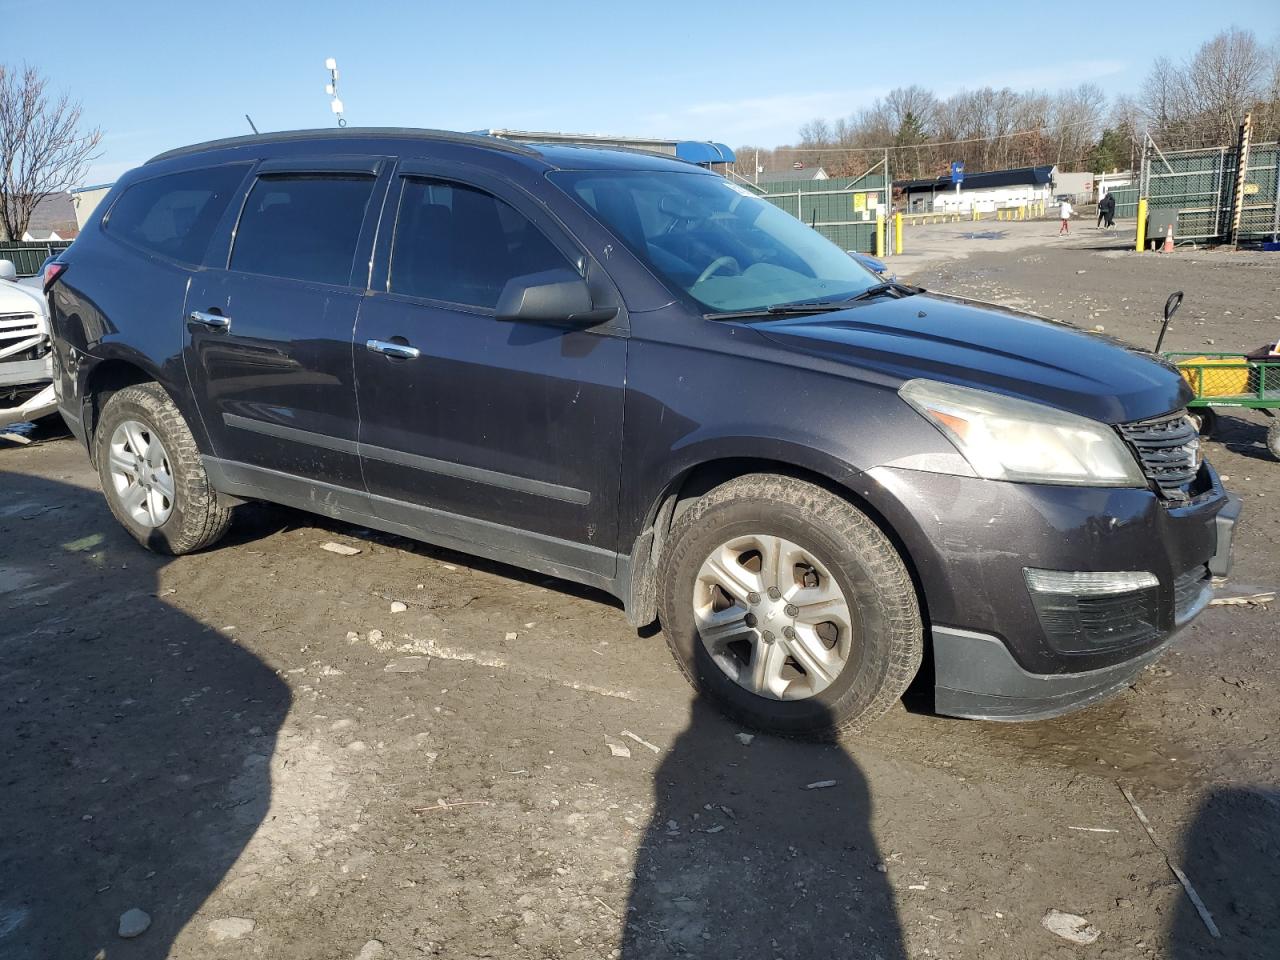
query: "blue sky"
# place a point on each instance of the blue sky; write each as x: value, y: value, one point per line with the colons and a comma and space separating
x: 159, y: 75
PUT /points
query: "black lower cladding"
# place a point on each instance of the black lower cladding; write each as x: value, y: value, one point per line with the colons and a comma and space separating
x: 977, y: 678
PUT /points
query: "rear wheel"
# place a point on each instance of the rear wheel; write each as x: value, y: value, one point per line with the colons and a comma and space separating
x: 789, y: 607
x: 151, y: 473
x: 1273, y: 437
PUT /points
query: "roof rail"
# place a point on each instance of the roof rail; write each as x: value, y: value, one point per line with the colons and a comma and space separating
x: 332, y: 133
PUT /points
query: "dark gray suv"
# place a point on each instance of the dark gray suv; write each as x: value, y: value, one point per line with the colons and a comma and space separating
x: 623, y: 370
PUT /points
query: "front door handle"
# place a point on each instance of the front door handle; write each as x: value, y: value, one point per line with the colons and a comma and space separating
x: 214, y: 321
x: 401, y: 351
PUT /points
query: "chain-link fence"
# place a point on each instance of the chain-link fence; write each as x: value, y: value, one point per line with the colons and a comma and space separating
x: 1200, y: 189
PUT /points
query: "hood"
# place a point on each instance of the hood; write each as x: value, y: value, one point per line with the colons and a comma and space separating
x: 990, y: 348
x: 17, y: 298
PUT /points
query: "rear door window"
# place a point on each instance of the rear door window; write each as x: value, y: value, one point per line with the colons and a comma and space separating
x: 302, y: 227
x: 457, y: 244
x: 174, y: 215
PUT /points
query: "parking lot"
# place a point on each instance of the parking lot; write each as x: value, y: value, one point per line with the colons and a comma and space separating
x: 252, y: 747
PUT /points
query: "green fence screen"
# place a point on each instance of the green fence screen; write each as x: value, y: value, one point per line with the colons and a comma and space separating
x: 842, y: 209
x: 27, y: 255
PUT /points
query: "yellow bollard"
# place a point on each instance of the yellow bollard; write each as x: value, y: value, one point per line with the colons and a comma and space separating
x: 897, y: 233
x: 879, y: 235
x: 1142, y: 225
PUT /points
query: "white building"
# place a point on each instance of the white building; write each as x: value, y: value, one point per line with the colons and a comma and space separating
x: 86, y: 200
x: 984, y: 192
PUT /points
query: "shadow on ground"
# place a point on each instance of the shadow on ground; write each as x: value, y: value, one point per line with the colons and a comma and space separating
x: 135, y: 741
x: 1231, y: 856
x: 741, y: 860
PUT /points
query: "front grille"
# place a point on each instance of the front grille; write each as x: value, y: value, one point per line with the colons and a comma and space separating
x: 1168, y: 448
x: 20, y: 333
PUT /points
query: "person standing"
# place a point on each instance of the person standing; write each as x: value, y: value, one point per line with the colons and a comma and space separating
x: 1065, y: 212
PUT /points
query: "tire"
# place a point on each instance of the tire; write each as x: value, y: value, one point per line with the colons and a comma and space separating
x: 1273, y: 437
x: 187, y: 515
x: 844, y: 546
x: 1206, y: 421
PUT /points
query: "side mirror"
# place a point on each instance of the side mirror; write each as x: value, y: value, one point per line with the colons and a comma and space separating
x: 8, y: 271
x: 552, y: 296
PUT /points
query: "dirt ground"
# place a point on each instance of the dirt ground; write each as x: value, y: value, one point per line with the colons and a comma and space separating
x: 252, y: 748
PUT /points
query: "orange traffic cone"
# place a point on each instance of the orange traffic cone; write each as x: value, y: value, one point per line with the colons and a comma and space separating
x: 1168, y: 240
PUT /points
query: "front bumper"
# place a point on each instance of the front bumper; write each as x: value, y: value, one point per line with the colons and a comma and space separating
x: 977, y: 679
x: 971, y: 542
x: 32, y: 381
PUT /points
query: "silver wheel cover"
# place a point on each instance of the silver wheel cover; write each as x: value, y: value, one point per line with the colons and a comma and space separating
x: 141, y: 474
x: 772, y: 617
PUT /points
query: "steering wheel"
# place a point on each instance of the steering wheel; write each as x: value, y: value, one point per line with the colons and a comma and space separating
x: 714, y: 266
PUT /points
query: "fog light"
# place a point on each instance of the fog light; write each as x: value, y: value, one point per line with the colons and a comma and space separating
x: 1086, y: 611
x: 1088, y: 583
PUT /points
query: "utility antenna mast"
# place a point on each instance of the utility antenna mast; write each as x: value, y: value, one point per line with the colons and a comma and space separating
x: 331, y: 88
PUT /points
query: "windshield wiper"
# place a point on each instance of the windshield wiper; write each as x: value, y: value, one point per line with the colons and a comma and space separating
x: 783, y: 310
x: 889, y: 286
x: 821, y: 306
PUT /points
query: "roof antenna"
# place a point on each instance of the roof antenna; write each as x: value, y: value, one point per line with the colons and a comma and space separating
x: 251, y: 126
x: 331, y: 88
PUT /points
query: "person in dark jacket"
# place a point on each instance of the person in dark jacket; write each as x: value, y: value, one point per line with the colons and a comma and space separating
x: 1107, y: 211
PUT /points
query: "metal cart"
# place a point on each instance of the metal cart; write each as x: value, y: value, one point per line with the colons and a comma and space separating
x: 1227, y: 380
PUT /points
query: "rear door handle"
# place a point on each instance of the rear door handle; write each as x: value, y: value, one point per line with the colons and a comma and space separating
x: 214, y: 321
x: 401, y: 351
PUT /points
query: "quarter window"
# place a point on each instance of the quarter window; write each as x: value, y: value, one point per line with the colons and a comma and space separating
x: 174, y: 215
x: 302, y: 227
x: 461, y: 245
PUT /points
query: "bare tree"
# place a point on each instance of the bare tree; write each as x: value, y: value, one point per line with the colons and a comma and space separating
x: 1196, y: 102
x: 815, y: 133
x: 42, y: 148
x: 1202, y: 101
x: 1226, y: 77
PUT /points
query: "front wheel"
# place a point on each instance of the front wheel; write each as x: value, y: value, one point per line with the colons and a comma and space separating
x: 152, y: 475
x: 789, y: 607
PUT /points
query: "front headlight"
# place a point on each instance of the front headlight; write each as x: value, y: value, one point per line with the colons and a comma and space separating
x: 1008, y: 439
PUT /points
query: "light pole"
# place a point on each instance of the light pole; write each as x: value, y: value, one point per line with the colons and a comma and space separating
x: 331, y: 88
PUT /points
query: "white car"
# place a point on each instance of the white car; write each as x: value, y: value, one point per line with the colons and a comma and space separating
x: 26, y: 363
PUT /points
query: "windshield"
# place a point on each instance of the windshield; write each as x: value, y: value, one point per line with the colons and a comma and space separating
x: 724, y: 247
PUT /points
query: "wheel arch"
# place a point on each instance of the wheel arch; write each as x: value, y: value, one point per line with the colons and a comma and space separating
x: 111, y: 374
x: 698, y: 478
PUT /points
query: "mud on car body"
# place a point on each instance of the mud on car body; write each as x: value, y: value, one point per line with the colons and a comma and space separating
x: 622, y: 370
